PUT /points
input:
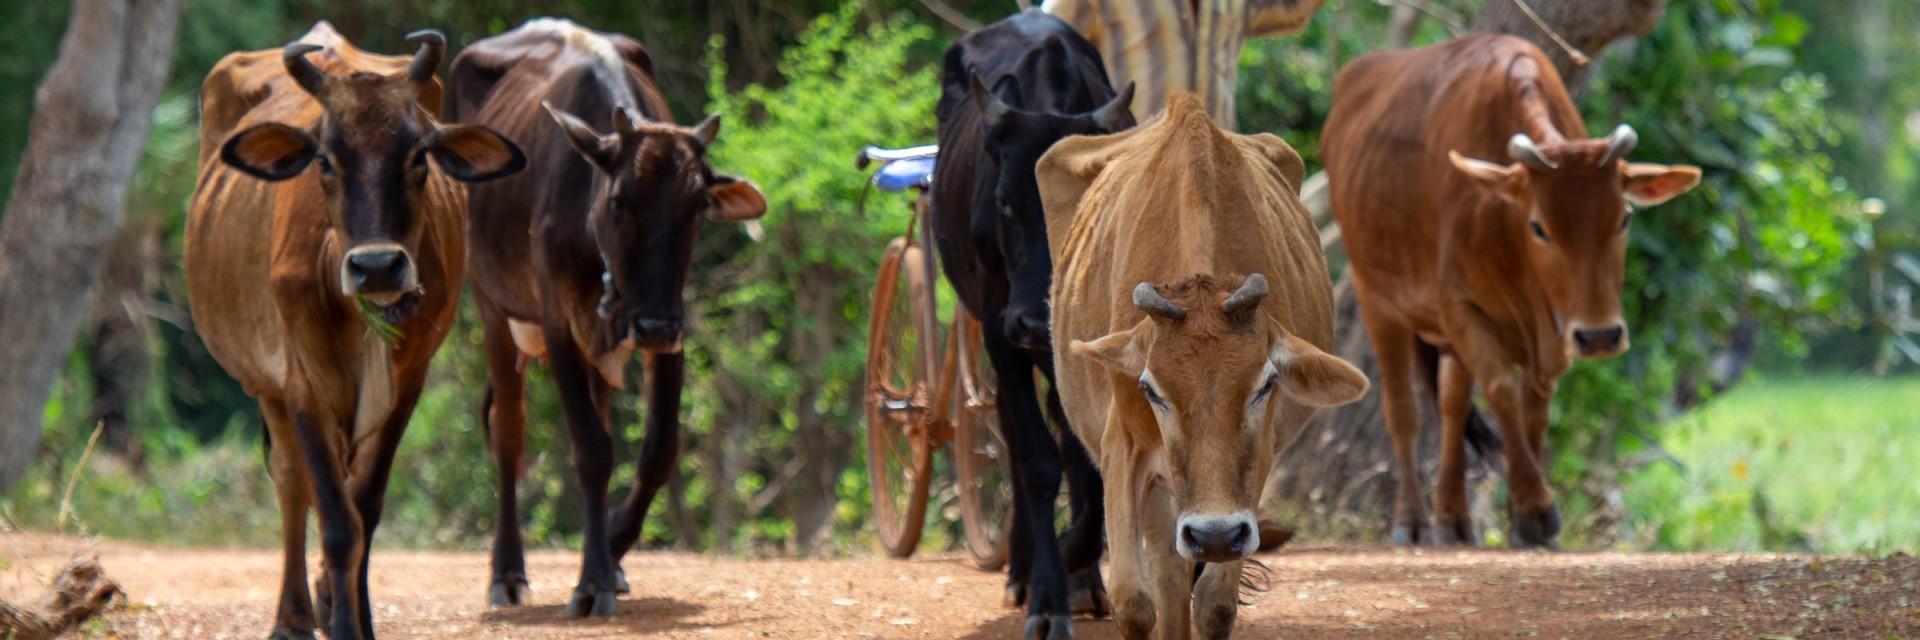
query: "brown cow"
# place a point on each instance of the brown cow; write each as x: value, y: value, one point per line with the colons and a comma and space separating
x: 582, y: 260
x: 1509, y: 269
x: 1176, y: 364
x: 326, y: 292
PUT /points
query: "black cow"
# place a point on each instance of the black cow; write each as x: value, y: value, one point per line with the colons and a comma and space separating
x: 1047, y: 83
x: 582, y: 260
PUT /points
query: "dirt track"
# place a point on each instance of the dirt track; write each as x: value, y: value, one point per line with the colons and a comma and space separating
x: 1317, y: 592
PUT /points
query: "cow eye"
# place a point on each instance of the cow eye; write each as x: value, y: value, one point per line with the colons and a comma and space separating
x: 326, y: 166
x: 1273, y: 381
x: 1151, y: 395
x: 1006, y: 212
x: 1539, y: 231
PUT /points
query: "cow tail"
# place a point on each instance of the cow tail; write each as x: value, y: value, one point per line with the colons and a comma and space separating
x: 1483, y: 442
x: 1255, y: 578
x: 266, y: 442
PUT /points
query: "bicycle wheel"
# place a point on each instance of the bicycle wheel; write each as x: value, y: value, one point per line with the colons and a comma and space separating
x: 985, y: 473
x: 899, y: 457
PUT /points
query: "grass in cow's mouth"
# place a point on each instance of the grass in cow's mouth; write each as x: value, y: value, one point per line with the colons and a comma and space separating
x: 377, y: 322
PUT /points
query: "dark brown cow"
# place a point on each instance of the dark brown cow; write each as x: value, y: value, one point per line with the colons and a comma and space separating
x: 1481, y: 220
x: 290, y: 272
x: 582, y: 261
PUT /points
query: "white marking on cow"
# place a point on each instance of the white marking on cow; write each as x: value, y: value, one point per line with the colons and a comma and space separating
x: 612, y: 68
x: 376, y: 397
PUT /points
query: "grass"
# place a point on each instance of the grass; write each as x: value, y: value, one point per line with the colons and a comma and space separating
x: 1822, y: 464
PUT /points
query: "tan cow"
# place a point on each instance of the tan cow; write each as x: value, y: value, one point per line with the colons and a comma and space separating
x: 1480, y: 219
x: 1191, y: 306
x: 326, y: 197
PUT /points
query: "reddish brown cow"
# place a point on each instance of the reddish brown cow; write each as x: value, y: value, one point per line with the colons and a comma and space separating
x: 581, y: 261
x: 291, y: 272
x: 1508, y: 265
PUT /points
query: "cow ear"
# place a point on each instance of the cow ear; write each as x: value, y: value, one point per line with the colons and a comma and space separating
x: 601, y: 150
x: 1508, y: 180
x: 731, y: 199
x: 1315, y: 378
x: 1650, y: 184
x: 473, y: 153
x: 270, y: 151
x: 1116, y: 351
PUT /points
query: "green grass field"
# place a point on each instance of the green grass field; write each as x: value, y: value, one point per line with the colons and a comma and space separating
x: 1824, y: 464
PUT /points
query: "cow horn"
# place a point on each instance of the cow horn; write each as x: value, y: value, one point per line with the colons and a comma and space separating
x: 707, y: 130
x: 990, y: 107
x: 623, y: 120
x: 1148, y: 299
x: 426, y: 61
x: 1110, y: 115
x: 1620, y: 143
x: 1249, y: 295
x: 1523, y: 150
x: 306, y: 75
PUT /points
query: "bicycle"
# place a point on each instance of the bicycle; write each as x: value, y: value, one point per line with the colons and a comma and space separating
x: 920, y: 396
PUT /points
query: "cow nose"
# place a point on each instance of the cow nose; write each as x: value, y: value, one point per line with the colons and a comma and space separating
x: 656, y: 334
x: 1601, y: 341
x: 1028, y: 331
x: 379, y: 271
x: 1216, y: 539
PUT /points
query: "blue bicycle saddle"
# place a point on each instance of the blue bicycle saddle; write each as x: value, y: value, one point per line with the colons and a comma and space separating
x: 901, y: 175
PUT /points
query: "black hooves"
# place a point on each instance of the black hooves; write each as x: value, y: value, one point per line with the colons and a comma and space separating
x: 1459, y: 534
x: 284, y: 633
x: 1087, y: 595
x: 620, y: 581
x: 1406, y: 535
x: 590, y: 602
x: 1048, y: 627
x: 508, y: 593
x: 1537, y: 530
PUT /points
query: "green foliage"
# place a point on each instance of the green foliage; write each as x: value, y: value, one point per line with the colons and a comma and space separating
x: 1815, y: 464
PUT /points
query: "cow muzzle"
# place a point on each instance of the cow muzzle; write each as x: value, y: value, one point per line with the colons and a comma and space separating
x: 382, y: 274
x: 653, y: 335
x: 1597, y: 341
x: 1027, y: 330
x: 1204, y: 538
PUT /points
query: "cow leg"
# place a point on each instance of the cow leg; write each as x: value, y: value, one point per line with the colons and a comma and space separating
x: 1170, y: 576
x: 294, y: 619
x: 503, y: 408
x: 1216, y: 599
x: 1394, y: 345
x: 666, y: 375
x: 1082, y: 543
x: 1132, y: 604
x: 1535, y: 517
x: 369, y: 487
x: 593, y: 462
x: 1452, y: 521
x: 1036, y: 475
x: 1500, y: 378
x: 341, y: 545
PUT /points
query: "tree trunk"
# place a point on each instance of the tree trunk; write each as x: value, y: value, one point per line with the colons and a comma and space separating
x: 91, y: 117
x: 1587, y: 25
x: 1336, y: 473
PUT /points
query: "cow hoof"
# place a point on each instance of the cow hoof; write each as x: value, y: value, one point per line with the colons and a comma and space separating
x: 1087, y: 595
x: 1048, y: 627
x: 284, y: 633
x: 620, y: 581
x: 586, y: 602
x: 1406, y: 535
x: 508, y: 593
x: 1015, y: 596
x: 1459, y: 534
x: 1272, y: 535
x: 1537, y: 530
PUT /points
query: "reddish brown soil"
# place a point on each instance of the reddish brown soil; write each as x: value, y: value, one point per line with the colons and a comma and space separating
x: 1317, y: 592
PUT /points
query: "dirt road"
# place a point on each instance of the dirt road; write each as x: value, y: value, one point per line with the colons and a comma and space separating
x: 1317, y: 592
